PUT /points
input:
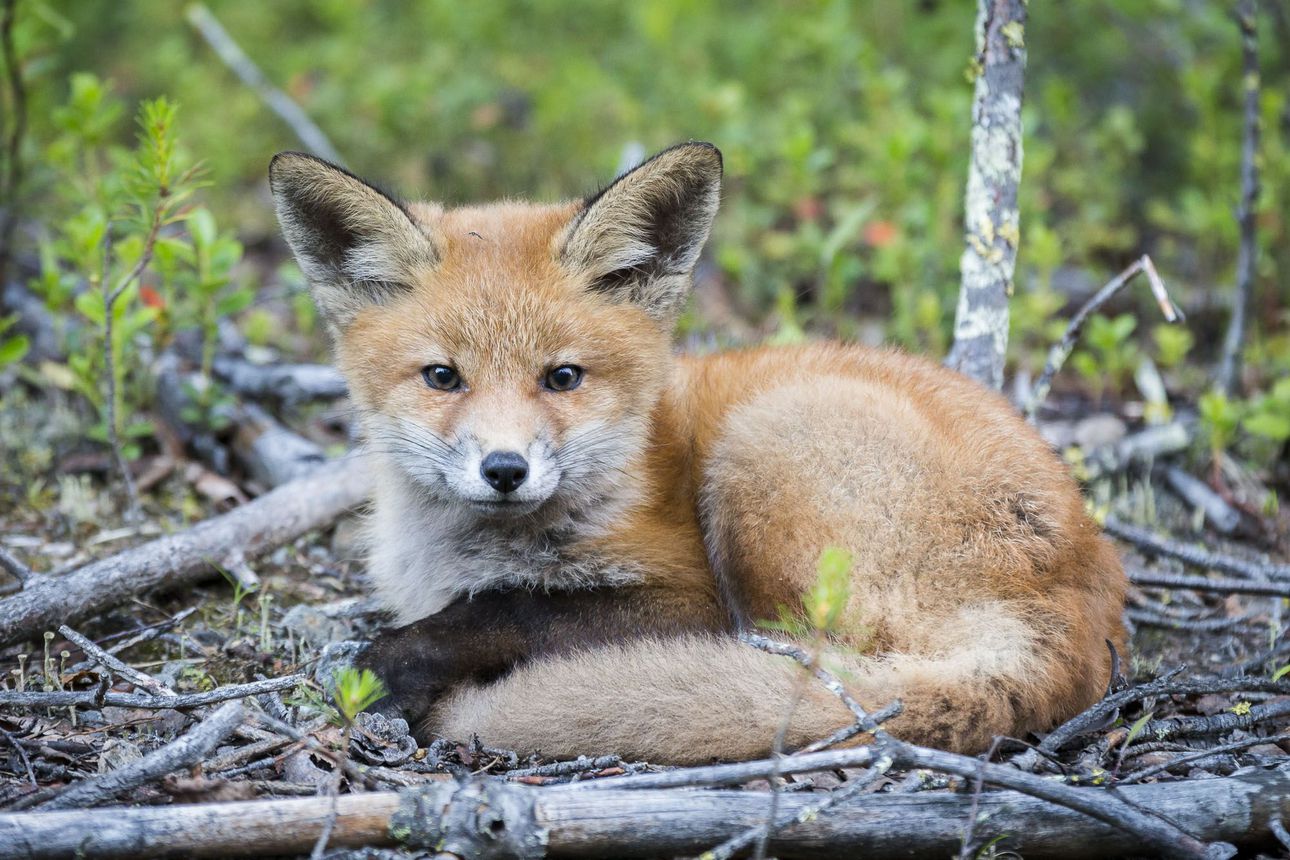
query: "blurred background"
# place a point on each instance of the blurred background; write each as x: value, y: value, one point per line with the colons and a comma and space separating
x: 845, y: 128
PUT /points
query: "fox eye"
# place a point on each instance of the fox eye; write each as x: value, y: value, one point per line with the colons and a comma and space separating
x: 441, y: 377
x: 566, y: 377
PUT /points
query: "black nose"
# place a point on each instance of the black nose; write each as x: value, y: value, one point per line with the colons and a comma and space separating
x: 504, y: 470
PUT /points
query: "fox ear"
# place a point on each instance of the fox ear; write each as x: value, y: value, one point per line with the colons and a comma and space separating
x: 356, y: 245
x: 638, y: 240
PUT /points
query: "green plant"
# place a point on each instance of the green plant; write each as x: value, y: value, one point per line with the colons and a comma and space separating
x: 1108, y: 356
x: 1219, y: 418
x: 1172, y: 342
x: 12, y: 347
x: 355, y: 690
x: 1268, y: 416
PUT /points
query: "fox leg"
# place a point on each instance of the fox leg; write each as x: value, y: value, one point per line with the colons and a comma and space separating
x: 482, y: 637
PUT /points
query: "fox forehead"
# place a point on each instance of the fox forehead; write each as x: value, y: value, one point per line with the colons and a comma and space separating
x: 498, y: 304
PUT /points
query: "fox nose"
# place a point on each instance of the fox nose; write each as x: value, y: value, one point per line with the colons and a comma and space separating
x: 504, y: 470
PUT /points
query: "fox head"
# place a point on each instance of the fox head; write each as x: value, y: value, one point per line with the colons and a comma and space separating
x: 506, y: 358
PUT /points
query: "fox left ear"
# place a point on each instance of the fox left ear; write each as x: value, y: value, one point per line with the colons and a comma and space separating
x: 357, y: 245
x: 638, y: 240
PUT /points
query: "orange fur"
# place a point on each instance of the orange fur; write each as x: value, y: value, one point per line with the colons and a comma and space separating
x: 983, y: 595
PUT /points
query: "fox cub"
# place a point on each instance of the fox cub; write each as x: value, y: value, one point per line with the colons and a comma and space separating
x: 572, y: 523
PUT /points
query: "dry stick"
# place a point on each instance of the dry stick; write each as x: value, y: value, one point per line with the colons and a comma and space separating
x: 1062, y: 349
x: 636, y: 824
x: 187, y: 751
x: 275, y: 518
x: 1161, y: 835
x: 1196, y: 493
x: 1216, y: 724
x: 1195, y: 625
x: 1201, y: 583
x: 1229, y: 369
x: 992, y: 220
x: 735, y: 844
x: 12, y: 178
x: 22, y: 755
x: 1098, y: 714
x: 97, y: 699
x: 1159, y: 544
x: 15, y: 568
x: 279, y: 102
x: 1199, y: 755
x: 123, y: 670
x: 289, y: 383
x: 811, y: 663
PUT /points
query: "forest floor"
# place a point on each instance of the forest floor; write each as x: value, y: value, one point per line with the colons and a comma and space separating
x: 1210, y: 656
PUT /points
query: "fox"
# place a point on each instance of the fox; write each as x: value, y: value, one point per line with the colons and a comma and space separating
x: 572, y: 523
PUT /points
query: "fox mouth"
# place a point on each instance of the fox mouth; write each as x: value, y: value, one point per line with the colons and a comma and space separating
x: 506, y: 507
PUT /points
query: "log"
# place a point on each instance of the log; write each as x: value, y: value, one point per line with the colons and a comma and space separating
x: 510, y: 820
x: 270, y: 521
x: 288, y: 383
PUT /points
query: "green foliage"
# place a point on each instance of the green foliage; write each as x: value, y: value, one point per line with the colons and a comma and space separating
x: 355, y: 690
x: 843, y: 124
x: 12, y: 347
x: 1172, y: 342
x: 1269, y: 414
x: 825, y: 601
x: 1219, y: 418
x: 1108, y: 357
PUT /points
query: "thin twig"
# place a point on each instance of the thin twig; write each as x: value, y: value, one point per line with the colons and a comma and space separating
x: 1063, y: 348
x: 969, y: 831
x: 277, y: 101
x: 12, y: 178
x: 129, y: 673
x: 110, y: 297
x: 841, y: 794
x: 15, y: 568
x: 1201, y: 583
x: 22, y: 755
x: 1229, y: 369
x: 184, y: 752
x: 91, y: 699
x: 1159, y: 544
x: 1098, y: 714
x: 1199, y: 755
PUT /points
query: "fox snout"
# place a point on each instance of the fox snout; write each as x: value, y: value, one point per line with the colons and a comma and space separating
x: 504, y: 470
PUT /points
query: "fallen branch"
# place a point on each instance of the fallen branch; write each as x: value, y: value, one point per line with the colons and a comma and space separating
x: 1201, y: 755
x: 182, y: 753
x: 112, y: 663
x: 1202, y: 583
x: 1098, y: 714
x: 1063, y: 348
x: 257, y: 527
x: 271, y: 453
x: 97, y: 699
x: 1158, y: 544
x: 1229, y: 369
x: 523, y: 822
x: 288, y: 383
x: 279, y: 102
x: 1195, y: 492
x: 16, y: 569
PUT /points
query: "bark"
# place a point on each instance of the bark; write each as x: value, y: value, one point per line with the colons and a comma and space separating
x: 289, y: 383
x: 509, y: 820
x: 992, y: 222
x: 257, y: 527
x: 1229, y: 371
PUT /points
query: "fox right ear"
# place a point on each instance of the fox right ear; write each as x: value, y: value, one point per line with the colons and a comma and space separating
x: 355, y: 244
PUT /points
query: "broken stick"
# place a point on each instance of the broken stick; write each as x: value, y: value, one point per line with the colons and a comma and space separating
x: 270, y: 521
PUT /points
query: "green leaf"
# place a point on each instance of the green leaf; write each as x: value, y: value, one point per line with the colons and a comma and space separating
x: 201, y: 226
x: 90, y: 304
x: 234, y: 302
x: 1281, y: 673
x: 1138, y: 725
x: 1269, y: 425
x: 356, y: 690
x: 13, y: 349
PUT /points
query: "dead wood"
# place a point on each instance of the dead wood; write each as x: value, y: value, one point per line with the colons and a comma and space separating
x: 1203, y: 583
x: 275, y: 518
x: 101, y: 697
x: 992, y: 221
x: 1158, y: 544
x: 185, y: 752
x: 288, y: 383
x: 522, y: 821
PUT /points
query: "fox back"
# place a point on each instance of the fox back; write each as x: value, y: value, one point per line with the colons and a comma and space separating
x: 533, y: 434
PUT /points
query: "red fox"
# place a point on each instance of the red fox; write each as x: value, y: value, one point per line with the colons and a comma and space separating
x: 572, y: 523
